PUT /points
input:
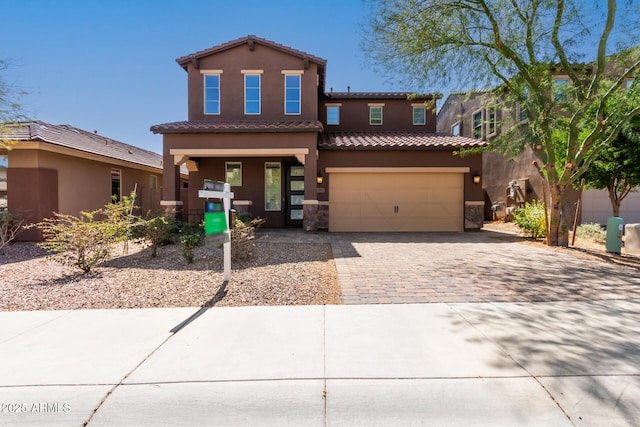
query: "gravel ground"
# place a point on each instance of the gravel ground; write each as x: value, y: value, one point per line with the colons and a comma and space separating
x: 276, y: 274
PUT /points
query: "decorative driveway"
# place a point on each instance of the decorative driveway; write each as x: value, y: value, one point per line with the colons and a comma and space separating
x: 485, y: 266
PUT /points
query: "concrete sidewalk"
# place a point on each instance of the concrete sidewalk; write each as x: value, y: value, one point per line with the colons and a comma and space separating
x: 492, y: 364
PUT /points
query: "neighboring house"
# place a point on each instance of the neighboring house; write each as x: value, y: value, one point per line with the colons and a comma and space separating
x: 475, y: 115
x: 260, y: 119
x: 60, y: 168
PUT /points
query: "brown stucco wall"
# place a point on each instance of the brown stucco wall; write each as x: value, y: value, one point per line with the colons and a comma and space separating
x: 397, y: 115
x: 43, y: 182
x: 272, y: 62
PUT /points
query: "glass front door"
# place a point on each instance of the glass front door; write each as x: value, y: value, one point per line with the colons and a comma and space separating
x: 294, y: 194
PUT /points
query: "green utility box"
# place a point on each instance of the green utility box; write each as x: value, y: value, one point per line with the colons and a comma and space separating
x: 215, y: 221
x: 615, y: 227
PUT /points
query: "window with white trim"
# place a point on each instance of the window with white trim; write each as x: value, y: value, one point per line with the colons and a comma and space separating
x: 212, y: 93
x: 251, y: 94
x: 491, y: 120
x: 477, y: 124
x: 455, y: 129
x: 333, y: 114
x: 292, y: 94
x: 375, y: 115
x: 233, y: 173
x: 419, y: 115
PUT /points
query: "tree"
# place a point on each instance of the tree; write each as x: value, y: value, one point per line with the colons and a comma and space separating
x: 518, y: 46
x: 10, y: 109
x: 617, y: 167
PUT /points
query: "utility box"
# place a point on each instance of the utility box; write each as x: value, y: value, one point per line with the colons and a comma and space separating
x: 615, y: 228
x: 632, y: 239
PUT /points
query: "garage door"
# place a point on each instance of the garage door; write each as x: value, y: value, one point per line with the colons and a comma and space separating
x: 396, y: 201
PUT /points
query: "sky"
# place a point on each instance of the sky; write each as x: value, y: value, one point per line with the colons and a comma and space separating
x: 109, y: 65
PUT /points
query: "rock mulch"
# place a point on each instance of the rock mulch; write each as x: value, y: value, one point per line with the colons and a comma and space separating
x: 276, y: 274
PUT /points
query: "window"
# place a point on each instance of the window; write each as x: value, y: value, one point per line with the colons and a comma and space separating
x: 252, y: 93
x: 333, y: 114
x: 292, y: 94
x: 628, y: 83
x: 233, y: 173
x: 116, y: 185
x: 4, y: 166
x: 521, y: 113
x: 455, y: 129
x: 272, y: 186
x: 477, y: 124
x: 560, y: 85
x: 419, y: 115
x: 491, y: 120
x: 153, y: 182
x: 375, y: 115
x: 212, y: 94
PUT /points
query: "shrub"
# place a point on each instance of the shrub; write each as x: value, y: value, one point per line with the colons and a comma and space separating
x: 530, y: 219
x: 242, y: 238
x: 592, y: 231
x: 156, y: 231
x: 81, y: 242
x: 190, y: 241
x: 10, y: 227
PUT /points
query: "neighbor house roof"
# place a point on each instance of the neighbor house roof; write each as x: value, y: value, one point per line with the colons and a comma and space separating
x: 394, y: 141
x: 236, y: 126
x: 382, y: 95
x: 77, y: 139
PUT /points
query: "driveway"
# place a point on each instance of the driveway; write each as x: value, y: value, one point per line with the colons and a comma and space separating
x: 469, y: 267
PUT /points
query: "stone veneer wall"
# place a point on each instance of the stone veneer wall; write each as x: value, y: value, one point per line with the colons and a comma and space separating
x: 315, y: 216
x: 473, y: 215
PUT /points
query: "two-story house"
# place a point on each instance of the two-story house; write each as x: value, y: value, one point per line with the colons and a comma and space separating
x: 259, y: 118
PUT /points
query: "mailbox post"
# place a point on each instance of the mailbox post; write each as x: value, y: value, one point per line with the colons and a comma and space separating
x: 216, y: 218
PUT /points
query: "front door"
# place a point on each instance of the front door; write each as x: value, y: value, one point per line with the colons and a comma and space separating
x: 294, y: 194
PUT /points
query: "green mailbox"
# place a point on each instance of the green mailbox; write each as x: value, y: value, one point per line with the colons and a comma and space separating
x: 215, y: 221
x: 615, y: 228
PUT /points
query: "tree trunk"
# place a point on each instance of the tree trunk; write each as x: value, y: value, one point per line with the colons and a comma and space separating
x: 615, y: 202
x: 558, y: 216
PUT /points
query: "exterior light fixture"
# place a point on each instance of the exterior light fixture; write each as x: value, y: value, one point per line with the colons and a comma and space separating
x: 476, y: 178
x: 319, y: 179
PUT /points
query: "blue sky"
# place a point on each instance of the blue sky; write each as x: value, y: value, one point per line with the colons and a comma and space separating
x: 109, y: 65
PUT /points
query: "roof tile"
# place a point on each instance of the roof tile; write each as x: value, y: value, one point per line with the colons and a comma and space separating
x: 394, y: 141
x: 236, y: 126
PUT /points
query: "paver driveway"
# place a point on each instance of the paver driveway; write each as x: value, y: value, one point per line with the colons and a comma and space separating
x: 469, y: 267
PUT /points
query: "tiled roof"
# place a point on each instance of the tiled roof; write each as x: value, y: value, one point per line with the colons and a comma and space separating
x: 78, y: 139
x: 251, y: 39
x: 221, y: 127
x: 382, y: 95
x: 394, y: 141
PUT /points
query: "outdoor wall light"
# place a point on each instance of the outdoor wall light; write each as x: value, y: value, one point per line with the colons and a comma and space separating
x: 319, y: 179
x: 476, y: 178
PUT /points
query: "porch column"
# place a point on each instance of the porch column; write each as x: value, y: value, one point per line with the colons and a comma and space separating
x: 170, y: 186
x: 310, y: 206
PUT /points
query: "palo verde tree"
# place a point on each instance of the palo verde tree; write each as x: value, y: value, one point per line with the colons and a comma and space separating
x: 617, y: 167
x: 518, y: 46
x: 10, y: 107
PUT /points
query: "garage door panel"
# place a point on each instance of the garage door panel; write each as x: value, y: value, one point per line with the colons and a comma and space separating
x: 368, y: 201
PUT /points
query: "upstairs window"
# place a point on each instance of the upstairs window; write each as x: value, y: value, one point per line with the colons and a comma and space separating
x: 292, y: 97
x: 333, y: 114
x: 375, y: 114
x: 212, y: 94
x: 419, y: 115
x: 455, y: 129
x: 491, y: 121
x: 252, y: 93
x: 560, y: 85
x: 628, y: 83
x: 477, y: 124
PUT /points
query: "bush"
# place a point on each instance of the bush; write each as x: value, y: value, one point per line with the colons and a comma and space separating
x: 242, y: 238
x: 531, y: 219
x: 157, y: 231
x: 592, y: 231
x: 82, y: 242
x: 190, y: 241
x: 10, y: 227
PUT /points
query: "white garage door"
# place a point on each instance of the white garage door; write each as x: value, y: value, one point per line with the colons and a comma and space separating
x: 396, y: 201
